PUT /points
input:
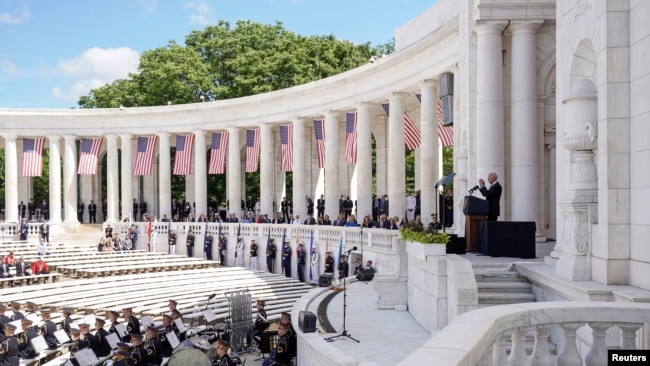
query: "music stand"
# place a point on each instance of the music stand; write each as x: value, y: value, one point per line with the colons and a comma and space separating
x: 442, y: 183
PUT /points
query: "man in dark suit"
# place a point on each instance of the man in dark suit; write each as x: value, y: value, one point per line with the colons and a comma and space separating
x: 21, y: 268
x: 492, y: 194
x: 92, y: 212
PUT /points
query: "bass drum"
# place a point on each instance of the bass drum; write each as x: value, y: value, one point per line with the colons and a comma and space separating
x: 189, y: 357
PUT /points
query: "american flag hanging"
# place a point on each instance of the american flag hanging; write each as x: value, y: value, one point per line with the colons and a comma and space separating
x: 252, y: 150
x: 445, y: 133
x: 183, y: 156
x: 286, y: 152
x: 351, y: 137
x: 89, y: 156
x: 144, y: 156
x: 218, y: 153
x: 412, y: 137
x: 33, y: 157
x: 319, y: 131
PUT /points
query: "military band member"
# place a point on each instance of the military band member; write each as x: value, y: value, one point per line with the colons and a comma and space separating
x: 67, y: 320
x: 189, y: 242
x: 77, y: 344
x: 15, y: 307
x: 103, y: 348
x: 221, y: 348
x: 25, y: 348
x: 166, y: 348
x: 124, y: 359
x: 153, y: 346
x: 253, y: 256
x: 85, y: 334
x: 207, y: 245
x: 270, y: 256
x: 222, y: 246
x: 120, y: 346
x: 282, y: 354
x: 285, y: 318
x: 286, y: 259
x: 140, y: 356
x: 177, y: 315
x: 172, y: 304
x: 112, y: 316
x: 171, y: 240
x: 9, y: 347
x: 259, y: 324
x: 30, y: 308
x: 132, y: 323
x: 47, y: 329
x: 3, y: 321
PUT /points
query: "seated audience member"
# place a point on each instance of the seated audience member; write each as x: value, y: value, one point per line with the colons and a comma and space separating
x: 367, y: 222
x: 392, y: 225
x: 40, y: 267
x: 5, y: 271
x: 352, y: 221
x: 434, y: 225
x: 10, y: 259
x: 417, y: 224
x: 326, y: 220
x: 367, y: 272
x: 22, y: 268
x: 41, y: 248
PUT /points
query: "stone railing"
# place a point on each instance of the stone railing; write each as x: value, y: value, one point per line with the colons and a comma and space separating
x: 585, y: 331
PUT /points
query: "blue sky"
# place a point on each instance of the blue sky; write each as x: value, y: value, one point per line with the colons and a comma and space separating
x: 54, y: 51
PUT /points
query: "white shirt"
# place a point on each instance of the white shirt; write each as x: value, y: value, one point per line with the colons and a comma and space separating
x: 410, y: 203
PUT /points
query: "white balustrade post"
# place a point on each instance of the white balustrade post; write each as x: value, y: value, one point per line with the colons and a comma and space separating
x: 569, y: 355
x: 499, y: 355
x: 628, y: 334
x: 597, y: 355
x: 541, y: 355
x: 518, y: 356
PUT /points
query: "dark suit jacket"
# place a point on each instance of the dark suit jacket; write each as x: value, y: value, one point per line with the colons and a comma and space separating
x: 20, y: 269
x: 493, y: 196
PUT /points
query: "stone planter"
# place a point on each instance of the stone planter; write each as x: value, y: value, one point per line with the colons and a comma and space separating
x: 421, y: 251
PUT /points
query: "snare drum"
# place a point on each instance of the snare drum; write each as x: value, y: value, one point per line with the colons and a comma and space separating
x: 189, y: 357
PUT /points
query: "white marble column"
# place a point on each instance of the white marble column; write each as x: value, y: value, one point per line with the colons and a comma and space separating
x: 127, y: 175
x: 165, y: 176
x: 300, y: 159
x: 234, y: 185
x: 267, y: 165
x: 489, y: 100
x: 524, y: 182
x: 364, y: 161
x: 396, y: 162
x: 11, y: 179
x: 200, y: 175
x: 332, y: 119
x: 54, y: 204
x: 112, y: 179
x: 429, y: 157
x: 70, y: 179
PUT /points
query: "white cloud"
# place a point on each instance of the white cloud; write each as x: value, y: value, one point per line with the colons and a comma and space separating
x: 8, y: 68
x: 149, y: 6
x: 95, y: 67
x: 201, y: 12
x: 16, y: 17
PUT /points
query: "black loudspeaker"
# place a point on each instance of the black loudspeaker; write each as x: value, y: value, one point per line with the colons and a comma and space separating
x: 307, y: 321
x: 447, y: 110
x: 325, y: 280
x: 456, y: 245
x: 446, y: 84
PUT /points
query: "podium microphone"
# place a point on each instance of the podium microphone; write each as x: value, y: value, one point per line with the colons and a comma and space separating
x: 473, y: 189
x: 211, y: 296
x: 353, y: 248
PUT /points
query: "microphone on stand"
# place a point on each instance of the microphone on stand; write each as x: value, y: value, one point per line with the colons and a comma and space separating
x: 473, y: 189
x: 210, y: 297
x: 353, y: 248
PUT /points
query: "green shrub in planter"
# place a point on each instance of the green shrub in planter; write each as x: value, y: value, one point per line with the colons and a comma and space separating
x: 424, y: 236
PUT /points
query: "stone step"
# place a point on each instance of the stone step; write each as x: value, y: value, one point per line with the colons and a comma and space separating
x: 502, y: 286
x: 509, y: 276
x: 505, y: 297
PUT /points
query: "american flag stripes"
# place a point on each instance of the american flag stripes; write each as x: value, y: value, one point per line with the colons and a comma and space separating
x: 144, y: 156
x: 286, y: 152
x: 89, y: 156
x: 351, y: 137
x: 33, y: 157
x: 412, y: 137
x: 319, y: 131
x: 445, y: 133
x: 218, y: 153
x: 183, y: 156
x: 252, y: 150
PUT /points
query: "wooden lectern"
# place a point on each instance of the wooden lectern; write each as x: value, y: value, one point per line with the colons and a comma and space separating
x: 475, y: 210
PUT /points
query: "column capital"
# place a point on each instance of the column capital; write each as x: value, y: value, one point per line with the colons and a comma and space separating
x: 125, y: 136
x: 111, y: 136
x: 524, y: 26
x: 233, y: 129
x: 162, y: 134
x: 365, y: 106
x: 429, y: 83
x: 332, y: 113
x: 264, y: 125
x: 397, y: 96
x: 10, y: 137
x: 53, y: 137
x: 489, y: 26
x: 69, y: 137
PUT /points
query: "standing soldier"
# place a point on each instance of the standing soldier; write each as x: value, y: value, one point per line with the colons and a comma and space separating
x: 80, y: 211
x: 270, y: 256
x: 135, y: 210
x: 223, y: 242
x: 31, y: 208
x: 320, y: 206
x: 171, y: 240
x: 329, y: 264
x: 24, y: 229
x: 207, y: 246
x: 92, y: 212
x: 45, y: 231
x: 300, y: 261
x: 190, y: 244
x: 239, y: 252
x: 45, y: 211
x: 105, y: 209
x: 253, y: 258
x: 143, y: 209
x: 21, y: 210
x: 286, y: 259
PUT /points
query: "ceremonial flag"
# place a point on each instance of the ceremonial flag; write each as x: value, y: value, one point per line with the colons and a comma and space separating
x: 311, y: 248
x: 149, y: 232
x: 286, y: 153
x: 445, y: 133
x: 252, y: 150
x: 338, y: 259
x: 183, y: 156
x: 412, y: 137
x: 218, y: 153
x: 33, y: 157
x: 319, y: 131
x: 144, y: 155
x: 238, y: 230
x: 89, y: 156
x: 351, y: 137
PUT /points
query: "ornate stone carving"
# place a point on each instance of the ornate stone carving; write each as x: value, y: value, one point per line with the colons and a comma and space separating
x: 582, y: 7
x: 466, y: 297
x: 582, y: 133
